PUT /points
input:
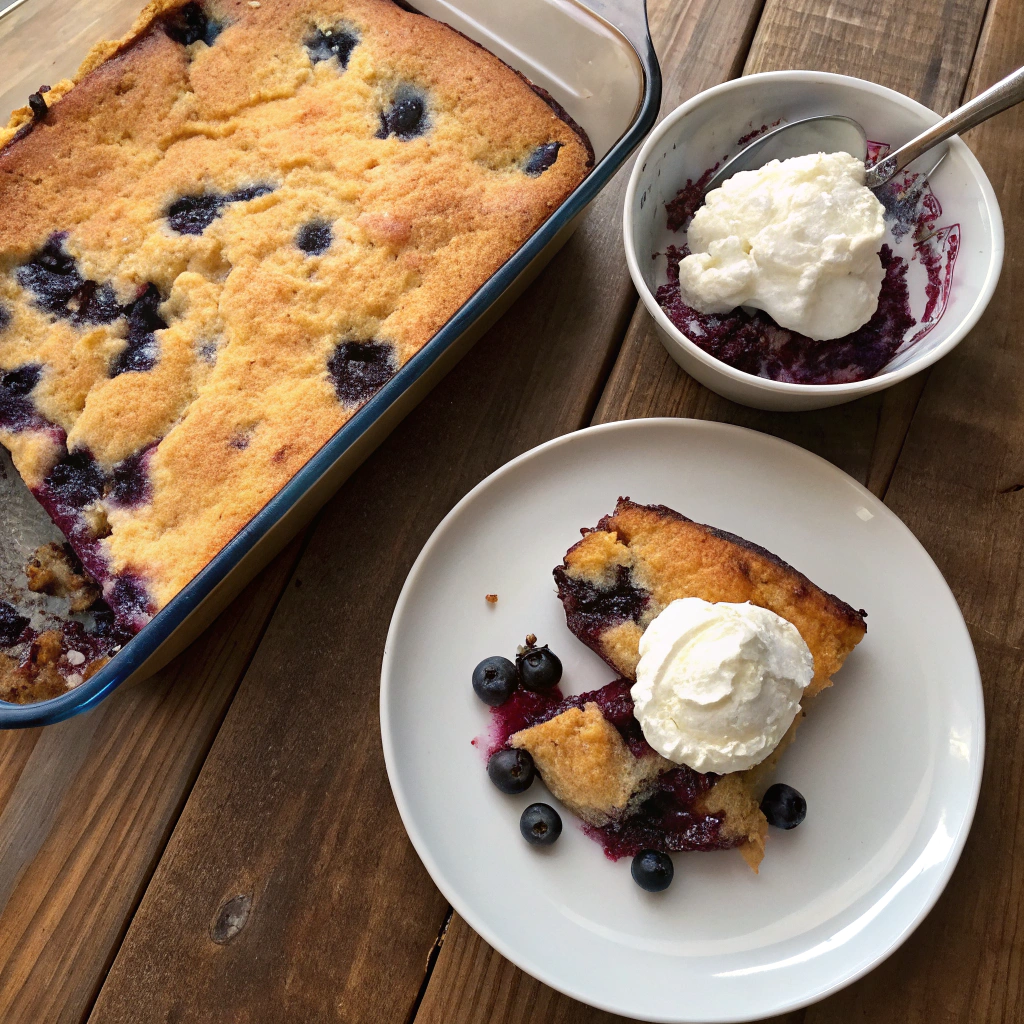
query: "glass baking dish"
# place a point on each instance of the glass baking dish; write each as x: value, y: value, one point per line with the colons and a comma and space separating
x: 596, y: 59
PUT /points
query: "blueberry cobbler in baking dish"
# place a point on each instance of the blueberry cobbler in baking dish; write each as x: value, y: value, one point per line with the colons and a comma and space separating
x: 225, y: 236
x: 715, y: 642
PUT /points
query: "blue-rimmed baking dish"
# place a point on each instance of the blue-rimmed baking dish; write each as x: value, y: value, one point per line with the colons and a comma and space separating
x: 596, y: 59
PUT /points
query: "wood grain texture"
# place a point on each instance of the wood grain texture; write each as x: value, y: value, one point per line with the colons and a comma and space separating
x: 921, y: 48
x: 86, y: 807
x: 291, y: 824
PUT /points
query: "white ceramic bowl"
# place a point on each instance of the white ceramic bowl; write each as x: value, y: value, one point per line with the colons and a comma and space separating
x: 707, y: 128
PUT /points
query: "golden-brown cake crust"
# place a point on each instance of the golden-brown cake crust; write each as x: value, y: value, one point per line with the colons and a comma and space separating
x: 587, y: 766
x: 241, y: 392
x: 667, y: 556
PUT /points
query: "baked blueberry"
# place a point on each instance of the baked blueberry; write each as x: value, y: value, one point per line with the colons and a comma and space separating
x: 12, y: 624
x: 406, y: 117
x: 359, y: 369
x: 652, y: 870
x: 192, y: 215
x: 243, y: 195
x: 97, y: 304
x: 314, y: 238
x: 540, y: 825
x: 76, y: 480
x: 17, y: 410
x: 511, y: 771
x: 783, y: 806
x: 326, y: 43
x: 539, y: 668
x: 5, y: 317
x: 494, y: 679
x: 129, y: 483
x: 52, y: 276
x: 141, y: 351
x: 190, y: 23
x: 541, y: 159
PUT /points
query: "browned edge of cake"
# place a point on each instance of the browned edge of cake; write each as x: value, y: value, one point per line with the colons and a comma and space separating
x: 23, y: 119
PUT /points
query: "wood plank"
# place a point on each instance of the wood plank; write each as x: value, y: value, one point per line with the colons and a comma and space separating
x: 908, y: 49
x: 958, y: 486
x: 86, y: 807
x: 291, y: 820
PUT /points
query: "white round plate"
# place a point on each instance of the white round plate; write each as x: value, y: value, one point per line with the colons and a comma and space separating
x: 889, y: 759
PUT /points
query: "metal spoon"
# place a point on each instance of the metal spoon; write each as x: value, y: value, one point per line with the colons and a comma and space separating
x: 833, y: 133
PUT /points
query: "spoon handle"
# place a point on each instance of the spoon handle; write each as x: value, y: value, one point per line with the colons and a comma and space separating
x: 997, y: 98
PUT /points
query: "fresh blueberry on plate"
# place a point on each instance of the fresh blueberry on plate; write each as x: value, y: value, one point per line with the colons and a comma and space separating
x: 540, y: 824
x: 539, y: 668
x: 494, y: 679
x: 652, y: 870
x: 783, y: 806
x: 511, y: 771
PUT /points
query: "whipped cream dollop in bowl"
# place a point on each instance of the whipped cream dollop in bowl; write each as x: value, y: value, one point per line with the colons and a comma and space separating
x: 718, y: 685
x: 794, y: 287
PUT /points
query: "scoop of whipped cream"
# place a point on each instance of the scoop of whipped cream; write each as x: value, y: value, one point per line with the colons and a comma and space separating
x: 718, y: 685
x: 797, y: 238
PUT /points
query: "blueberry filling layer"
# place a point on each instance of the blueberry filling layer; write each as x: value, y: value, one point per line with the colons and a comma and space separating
x: 128, y: 597
x: 669, y: 820
x: 406, y: 118
x: 754, y: 343
x: 359, y: 369
x: 192, y: 215
x: 190, y: 24
x: 590, y: 610
x: 314, y: 238
x: 327, y: 43
x: 541, y: 159
x: 74, y: 483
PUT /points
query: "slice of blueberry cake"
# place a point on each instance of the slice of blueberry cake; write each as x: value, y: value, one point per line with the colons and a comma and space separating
x: 224, y: 237
x: 590, y: 750
x: 640, y: 558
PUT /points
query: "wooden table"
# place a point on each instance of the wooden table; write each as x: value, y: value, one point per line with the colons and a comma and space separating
x: 220, y: 844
